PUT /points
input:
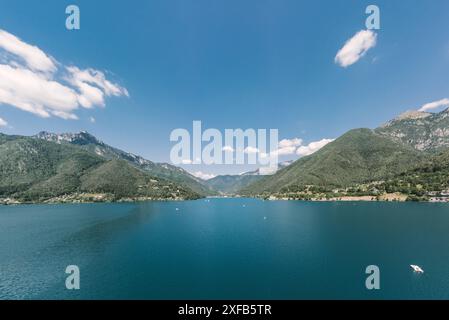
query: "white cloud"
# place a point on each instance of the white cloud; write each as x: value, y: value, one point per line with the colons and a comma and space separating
x: 228, y: 149
x: 251, y: 150
x: 434, y: 105
x: 263, y: 155
x: 33, y: 57
x: 30, y: 80
x: 312, y: 147
x: 204, y: 176
x: 356, y: 47
x: 287, y: 147
x: 3, y: 123
x: 93, y: 86
x: 31, y: 92
x: 286, y: 151
x: 285, y: 143
x: 92, y: 120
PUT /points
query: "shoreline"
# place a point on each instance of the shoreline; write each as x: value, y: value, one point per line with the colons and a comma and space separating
x: 372, y: 198
x: 89, y: 200
x: 369, y: 198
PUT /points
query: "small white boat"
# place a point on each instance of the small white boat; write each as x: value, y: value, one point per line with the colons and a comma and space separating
x: 416, y: 268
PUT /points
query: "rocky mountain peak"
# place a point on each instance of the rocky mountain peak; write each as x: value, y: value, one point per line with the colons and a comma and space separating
x: 423, y: 131
x: 81, y: 138
x: 413, y: 115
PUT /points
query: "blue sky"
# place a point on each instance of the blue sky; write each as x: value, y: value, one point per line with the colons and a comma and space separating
x: 235, y: 64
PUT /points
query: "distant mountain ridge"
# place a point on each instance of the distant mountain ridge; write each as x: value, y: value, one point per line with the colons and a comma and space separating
x: 232, y: 184
x: 259, y: 171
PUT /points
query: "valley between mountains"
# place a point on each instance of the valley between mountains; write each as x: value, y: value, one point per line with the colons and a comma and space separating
x: 405, y: 159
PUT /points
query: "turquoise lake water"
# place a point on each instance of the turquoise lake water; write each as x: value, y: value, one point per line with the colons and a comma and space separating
x: 225, y: 249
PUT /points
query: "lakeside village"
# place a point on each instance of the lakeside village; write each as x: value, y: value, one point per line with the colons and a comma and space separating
x: 303, y: 193
x: 365, y: 192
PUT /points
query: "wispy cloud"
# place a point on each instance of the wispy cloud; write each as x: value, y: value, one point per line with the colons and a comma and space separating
x: 33, y: 81
x: 92, y: 120
x: 29, y: 91
x: 434, y: 105
x: 203, y: 176
x: 291, y: 147
x: 93, y: 86
x: 33, y: 57
x: 286, y: 147
x: 3, y: 123
x: 355, y: 48
x: 312, y: 147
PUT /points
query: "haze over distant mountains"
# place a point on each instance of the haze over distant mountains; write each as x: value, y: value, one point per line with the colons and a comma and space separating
x: 232, y: 184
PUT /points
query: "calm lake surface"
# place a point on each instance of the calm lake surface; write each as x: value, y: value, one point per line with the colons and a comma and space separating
x: 224, y: 249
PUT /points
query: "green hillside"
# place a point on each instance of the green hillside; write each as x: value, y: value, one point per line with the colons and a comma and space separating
x: 123, y: 180
x: 165, y: 171
x: 37, y: 170
x: 406, y: 156
x: 358, y: 156
x: 429, y: 178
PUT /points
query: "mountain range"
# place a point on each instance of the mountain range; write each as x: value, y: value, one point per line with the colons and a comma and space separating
x: 363, y: 161
x: 78, y: 168
x: 407, y: 155
x: 167, y: 171
x: 360, y: 155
